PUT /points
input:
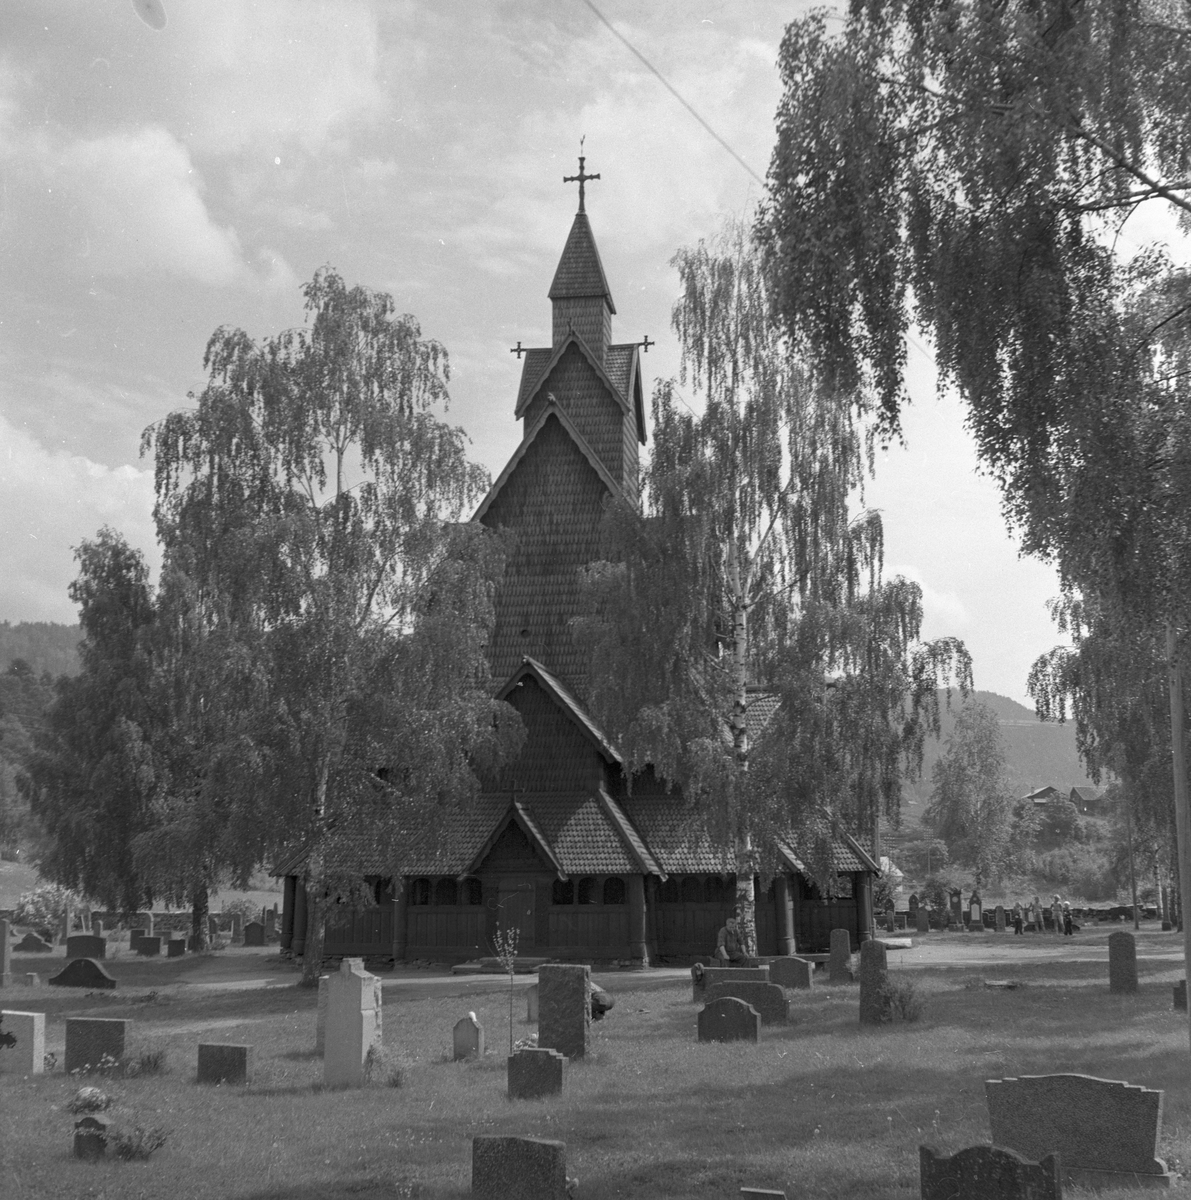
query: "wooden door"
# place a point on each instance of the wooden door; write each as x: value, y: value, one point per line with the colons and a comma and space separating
x: 516, y: 911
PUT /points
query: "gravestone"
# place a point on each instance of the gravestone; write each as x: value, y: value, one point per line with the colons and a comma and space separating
x: 212, y: 927
x: 957, y: 902
x: 32, y: 944
x: 89, y: 1039
x: 5, y: 956
x: 353, y: 1023
x: 564, y: 1008
x: 90, y: 1138
x: 922, y: 917
x: 149, y: 947
x: 839, y: 965
x: 270, y: 925
x: 767, y: 998
x: 27, y: 1057
x: 1105, y: 1132
x: 728, y: 1019
x: 467, y: 1038
x: 146, y: 924
x: 531, y: 1003
x: 1122, y: 963
x: 254, y: 934
x: 874, y: 969
x: 85, y: 945
x: 536, y: 1073
x: 518, y: 1168
x: 84, y: 973
x: 1180, y: 996
x: 32, y: 980
x: 792, y: 972
x: 704, y: 978
x: 134, y: 939
x: 175, y: 948
x: 987, y: 1173
x: 221, y: 1062
x: 237, y: 929
x: 761, y: 1193
x: 320, y: 1026
x: 1000, y: 913
x: 97, y: 924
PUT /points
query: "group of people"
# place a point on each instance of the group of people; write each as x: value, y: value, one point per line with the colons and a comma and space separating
x: 1060, y: 913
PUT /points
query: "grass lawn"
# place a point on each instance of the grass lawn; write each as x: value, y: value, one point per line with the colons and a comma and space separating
x: 819, y: 1108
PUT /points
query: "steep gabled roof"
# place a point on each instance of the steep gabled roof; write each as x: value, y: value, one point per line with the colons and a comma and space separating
x: 563, y: 698
x: 847, y: 855
x: 555, y: 411
x: 580, y: 272
x: 516, y: 813
x: 645, y: 861
x: 572, y: 339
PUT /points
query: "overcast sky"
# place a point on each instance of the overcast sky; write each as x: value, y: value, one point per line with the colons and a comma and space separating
x: 159, y: 183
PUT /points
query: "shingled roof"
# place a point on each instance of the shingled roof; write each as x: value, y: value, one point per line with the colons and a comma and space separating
x: 580, y: 272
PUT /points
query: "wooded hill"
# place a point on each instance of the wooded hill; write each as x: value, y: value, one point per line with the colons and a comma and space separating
x: 45, y: 645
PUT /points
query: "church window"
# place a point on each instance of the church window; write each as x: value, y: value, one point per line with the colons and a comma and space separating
x: 419, y: 891
x: 472, y: 892
x: 563, y: 892
x: 446, y: 892
x: 587, y: 890
x: 614, y: 891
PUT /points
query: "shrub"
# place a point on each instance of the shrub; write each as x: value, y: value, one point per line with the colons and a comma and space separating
x: 385, y: 1067
x: 45, y: 905
x: 900, y: 1000
x: 136, y: 1142
x: 245, y: 907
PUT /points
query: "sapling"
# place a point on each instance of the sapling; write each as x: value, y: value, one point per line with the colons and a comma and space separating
x: 505, y: 945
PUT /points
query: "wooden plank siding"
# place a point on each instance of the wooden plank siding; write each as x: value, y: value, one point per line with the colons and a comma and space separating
x: 365, y: 933
x: 447, y: 931
x: 601, y: 929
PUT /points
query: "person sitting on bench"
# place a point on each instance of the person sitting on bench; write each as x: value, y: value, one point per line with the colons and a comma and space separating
x: 729, y: 947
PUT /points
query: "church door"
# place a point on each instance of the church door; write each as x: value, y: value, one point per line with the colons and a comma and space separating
x: 516, y: 899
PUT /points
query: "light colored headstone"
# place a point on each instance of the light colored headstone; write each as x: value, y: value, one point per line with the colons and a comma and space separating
x: 320, y: 1028
x: 353, y: 1023
x: 1122, y: 963
x: 874, y: 968
x: 531, y: 1003
x: 839, y: 964
x: 1000, y: 913
x: 5, y: 956
x: 564, y: 1008
x: 1105, y: 1132
x: 518, y: 1168
x: 32, y: 979
x: 147, y: 923
x: 987, y: 1173
x: 27, y: 1057
x: 468, y: 1038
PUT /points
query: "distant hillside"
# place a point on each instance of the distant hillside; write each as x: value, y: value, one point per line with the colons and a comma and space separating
x: 44, y: 645
x: 1038, y: 752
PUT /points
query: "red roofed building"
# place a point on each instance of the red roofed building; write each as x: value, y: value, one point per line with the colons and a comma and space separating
x: 557, y: 846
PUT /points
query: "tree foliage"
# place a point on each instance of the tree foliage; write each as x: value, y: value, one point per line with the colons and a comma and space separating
x: 748, y: 577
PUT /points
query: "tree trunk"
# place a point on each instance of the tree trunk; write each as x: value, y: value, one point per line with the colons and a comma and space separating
x: 316, y: 906
x: 199, y: 908
x: 746, y: 899
x: 1179, y: 764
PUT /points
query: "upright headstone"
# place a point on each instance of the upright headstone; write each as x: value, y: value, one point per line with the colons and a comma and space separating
x: 912, y: 903
x: 839, y: 965
x: 149, y: 947
x: 5, y: 956
x: 874, y: 968
x: 987, y: 1173
x: 1122, y: 963
x: 1105, y: 1132
x: 353, y: 1023
x: 97, y: 924
x: 534, y: 1074
x: 792, y: 972
x: 254, y: 934
x: 320, y: 1027
x: 531, y: 1003
x: 221, y: 1062
x: 90, y: 1138
x: 767, y: 998
x: 729, y: 1020
x: 467, y: 1038
x: 270, y: 923
x: 518, y: 1168
x: 564, y: 1008
x: 89, y: 1040
x: 703, y: 979
x: 32, y: 944
x: 27, y: 1056
x: 85, y: 945
x: 212, y: 927
x: 237, y: 929
x: 957, y: 902
x: 1000, y: 912
x: 1180, y: 995
x: 922, y: 919
x: 175, y: 947
x: 147, y: 924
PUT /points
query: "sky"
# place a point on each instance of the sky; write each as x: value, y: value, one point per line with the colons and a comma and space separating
x: 156, y: 184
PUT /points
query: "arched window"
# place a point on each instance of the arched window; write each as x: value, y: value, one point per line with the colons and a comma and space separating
x: 472, y: 892
x: 717, y: 890
x: 419, y: 891
x: 587, y: 890
x: 692, y: 889
x: 668, y: 892
x: 614, y: 890
x: 446, y: 891
x: 382, y: 890
x: 563, y: 892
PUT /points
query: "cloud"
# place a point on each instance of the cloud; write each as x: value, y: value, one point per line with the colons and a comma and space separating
x: 944, y: 614
x: 49, y: 502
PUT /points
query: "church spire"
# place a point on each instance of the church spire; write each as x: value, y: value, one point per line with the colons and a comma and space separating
x: 580, y: 295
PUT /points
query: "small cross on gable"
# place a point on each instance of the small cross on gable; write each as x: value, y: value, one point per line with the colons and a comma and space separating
x: 518, y: 349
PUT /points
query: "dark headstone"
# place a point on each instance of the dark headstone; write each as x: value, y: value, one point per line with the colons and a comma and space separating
x: 254, y: 934
x: 703, y: 978
x: 839, y: 967
x: 84, y: 973
x: 762, y: 1193
x: 873, y: 971
x: 1105, y: 1132
x: 987, y: 1173
x: 1180, y: 996
x: 5, y: 955
x: 85, y: 945
x: 922, y: 917
x: 564, y: 1008
x: 535, y: 1073
x: 220, y: 1062
x: 518, y: 1168
x: 728, y: 1019
x: 91, y: 1039
x: 1000, y: 917
x: 792, y: 972
x: 767, y: 998
x: 149, y: 947
x: 175, y: 948
x: 32, y: 944
x: 1122, y: 963
x: 90, y: 1139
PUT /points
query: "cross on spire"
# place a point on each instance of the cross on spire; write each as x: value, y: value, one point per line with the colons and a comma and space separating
x: 582, y: 177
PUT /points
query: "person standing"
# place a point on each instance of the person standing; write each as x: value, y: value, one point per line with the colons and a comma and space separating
x: 1018, y: 919
x: 1056, y: 914
x: 1039, y: 923
x: 1067, y: 930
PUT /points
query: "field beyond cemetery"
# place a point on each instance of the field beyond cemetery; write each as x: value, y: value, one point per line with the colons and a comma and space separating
x: 820, y: 1108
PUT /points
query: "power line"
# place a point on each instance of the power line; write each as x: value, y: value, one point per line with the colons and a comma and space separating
x: 666, y: 84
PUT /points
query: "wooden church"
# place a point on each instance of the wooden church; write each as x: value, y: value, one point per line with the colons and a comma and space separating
x: 557, y: 847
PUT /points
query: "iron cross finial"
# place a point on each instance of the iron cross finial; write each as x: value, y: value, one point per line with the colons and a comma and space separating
x: 519, y: 350
x: 582, y: 177
x: 646, y: 344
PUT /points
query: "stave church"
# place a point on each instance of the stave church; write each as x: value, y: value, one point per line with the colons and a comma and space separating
x: 560, y: 847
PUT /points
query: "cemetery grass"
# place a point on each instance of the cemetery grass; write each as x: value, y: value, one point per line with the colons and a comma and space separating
x: 819, y: 1108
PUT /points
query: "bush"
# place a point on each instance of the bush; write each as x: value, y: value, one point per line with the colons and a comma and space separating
x: 900, y: 1000
x: 45, y: 905
x: 385, y: 1067
x: 246, y: 909
x: 136, y: 1142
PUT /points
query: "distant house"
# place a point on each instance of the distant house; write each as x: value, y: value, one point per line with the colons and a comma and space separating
x: 1085, y: 799
x: 1044, y: 796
